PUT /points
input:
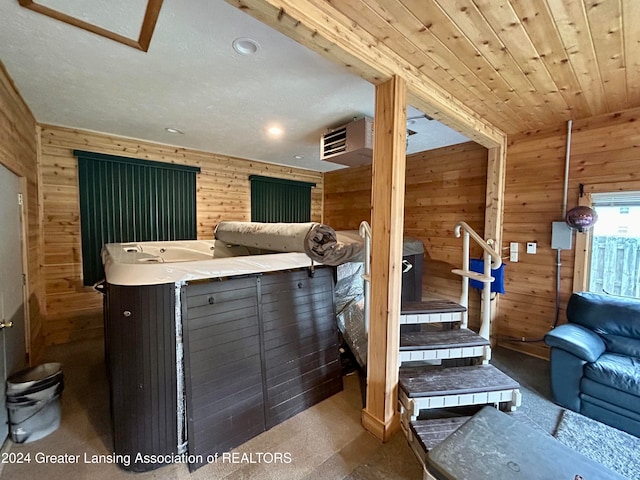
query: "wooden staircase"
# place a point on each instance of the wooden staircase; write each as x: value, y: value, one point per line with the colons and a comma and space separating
x: 430, y: 389
x: 434, y: 390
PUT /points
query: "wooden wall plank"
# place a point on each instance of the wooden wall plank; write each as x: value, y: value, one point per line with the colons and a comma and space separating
x: 436, y: 22
x: 631, y: 36
x: 223, y: 193
x: 537, y: 21
x: 572, y: 24
x: 504, y: 20
x: 459, y: 171
x: 468, y: 17
x: 604, y: 152
x: 433, y: 56
x: 605, y: 22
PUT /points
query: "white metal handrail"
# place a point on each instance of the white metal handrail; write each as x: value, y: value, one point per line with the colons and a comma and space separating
x: 495, y: 256
x: 492, y: 260
x: 365, y: 232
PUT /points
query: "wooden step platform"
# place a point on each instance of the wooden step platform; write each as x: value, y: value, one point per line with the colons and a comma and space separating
x: 432, y: 311
x: 426, y: 388
x: 430, y: 433
x: 439, y: 345
x: 423, y: 435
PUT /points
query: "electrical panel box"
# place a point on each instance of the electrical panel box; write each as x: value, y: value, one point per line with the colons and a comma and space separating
x: 561, y: 236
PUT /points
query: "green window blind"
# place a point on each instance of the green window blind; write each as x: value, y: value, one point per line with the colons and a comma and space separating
x: 130, y: 200
x: 280, y: 200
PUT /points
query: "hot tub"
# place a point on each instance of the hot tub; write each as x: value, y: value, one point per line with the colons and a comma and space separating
x: 208, y: 345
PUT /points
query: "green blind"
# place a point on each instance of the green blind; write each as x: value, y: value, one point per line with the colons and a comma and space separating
x: 280, y: 200
x: 130, y: 200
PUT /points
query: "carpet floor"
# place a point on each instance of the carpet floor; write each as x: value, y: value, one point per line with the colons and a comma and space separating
x: 612, y: 448
x: 324, y: 442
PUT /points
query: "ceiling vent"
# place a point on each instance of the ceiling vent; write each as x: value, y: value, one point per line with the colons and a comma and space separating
x: 350, y: 144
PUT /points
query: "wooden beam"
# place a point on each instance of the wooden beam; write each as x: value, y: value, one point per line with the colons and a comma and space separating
x: 151, y: 15
x: 380, y: 416
x: 317, y: 25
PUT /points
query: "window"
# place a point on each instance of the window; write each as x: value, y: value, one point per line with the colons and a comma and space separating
x: 615, y: 245
x: 280, y: 200
x: 129, y: 200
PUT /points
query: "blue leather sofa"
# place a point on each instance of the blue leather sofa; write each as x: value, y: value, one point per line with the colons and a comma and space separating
x: 595, y: 359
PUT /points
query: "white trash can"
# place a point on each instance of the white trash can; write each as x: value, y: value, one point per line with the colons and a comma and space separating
x: 33, y: 402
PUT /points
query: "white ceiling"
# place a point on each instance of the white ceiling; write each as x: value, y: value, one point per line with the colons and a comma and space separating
x: 190, y: 79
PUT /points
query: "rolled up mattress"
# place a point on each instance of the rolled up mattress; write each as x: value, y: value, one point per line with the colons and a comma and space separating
x: 317, y: 240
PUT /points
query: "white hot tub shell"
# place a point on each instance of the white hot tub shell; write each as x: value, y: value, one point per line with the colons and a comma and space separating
x: 154, y: 263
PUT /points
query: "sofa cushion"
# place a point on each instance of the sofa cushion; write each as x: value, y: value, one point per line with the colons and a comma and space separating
x: 612, y: 397
x: 616, y: 418
x: 622, y: 345
x: 607, y: 315
x: 617, y: 371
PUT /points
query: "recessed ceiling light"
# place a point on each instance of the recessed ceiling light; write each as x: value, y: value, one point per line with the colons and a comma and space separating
x: 298, y: 157
x: 275, y: 131
x: 245, y: 46
x: 174, y: 130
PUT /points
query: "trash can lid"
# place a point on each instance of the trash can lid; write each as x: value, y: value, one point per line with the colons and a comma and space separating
x: 31, y: 376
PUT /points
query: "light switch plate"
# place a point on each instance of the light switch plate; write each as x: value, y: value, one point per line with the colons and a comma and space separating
x: 532, y: 247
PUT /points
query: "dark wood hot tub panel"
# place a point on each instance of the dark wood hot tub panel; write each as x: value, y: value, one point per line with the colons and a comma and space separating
x: 223, y: 366
x: 141, y: 361
x: 300, y: 342
x: 258, y: 350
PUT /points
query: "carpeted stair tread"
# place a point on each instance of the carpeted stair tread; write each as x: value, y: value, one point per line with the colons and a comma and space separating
x: 433, y: 431
x: 433, y: 340
x: 431, y: 306
x: 417, y: 382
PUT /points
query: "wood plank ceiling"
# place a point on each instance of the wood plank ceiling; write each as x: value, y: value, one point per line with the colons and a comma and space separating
x: 521, y: 64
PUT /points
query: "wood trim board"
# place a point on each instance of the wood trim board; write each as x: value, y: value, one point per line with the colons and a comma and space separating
x: 141, y: 43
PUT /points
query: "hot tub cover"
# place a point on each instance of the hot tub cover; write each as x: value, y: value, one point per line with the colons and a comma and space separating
x: 320, y: 242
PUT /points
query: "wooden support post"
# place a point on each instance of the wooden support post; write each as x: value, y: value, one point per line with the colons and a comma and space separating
x: 494, y: 210
x: 582, y: 260
x: 496, y: 166
x: 381, y: 415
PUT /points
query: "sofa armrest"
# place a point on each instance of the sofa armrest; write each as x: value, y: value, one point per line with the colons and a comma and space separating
x: 577, y: 340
